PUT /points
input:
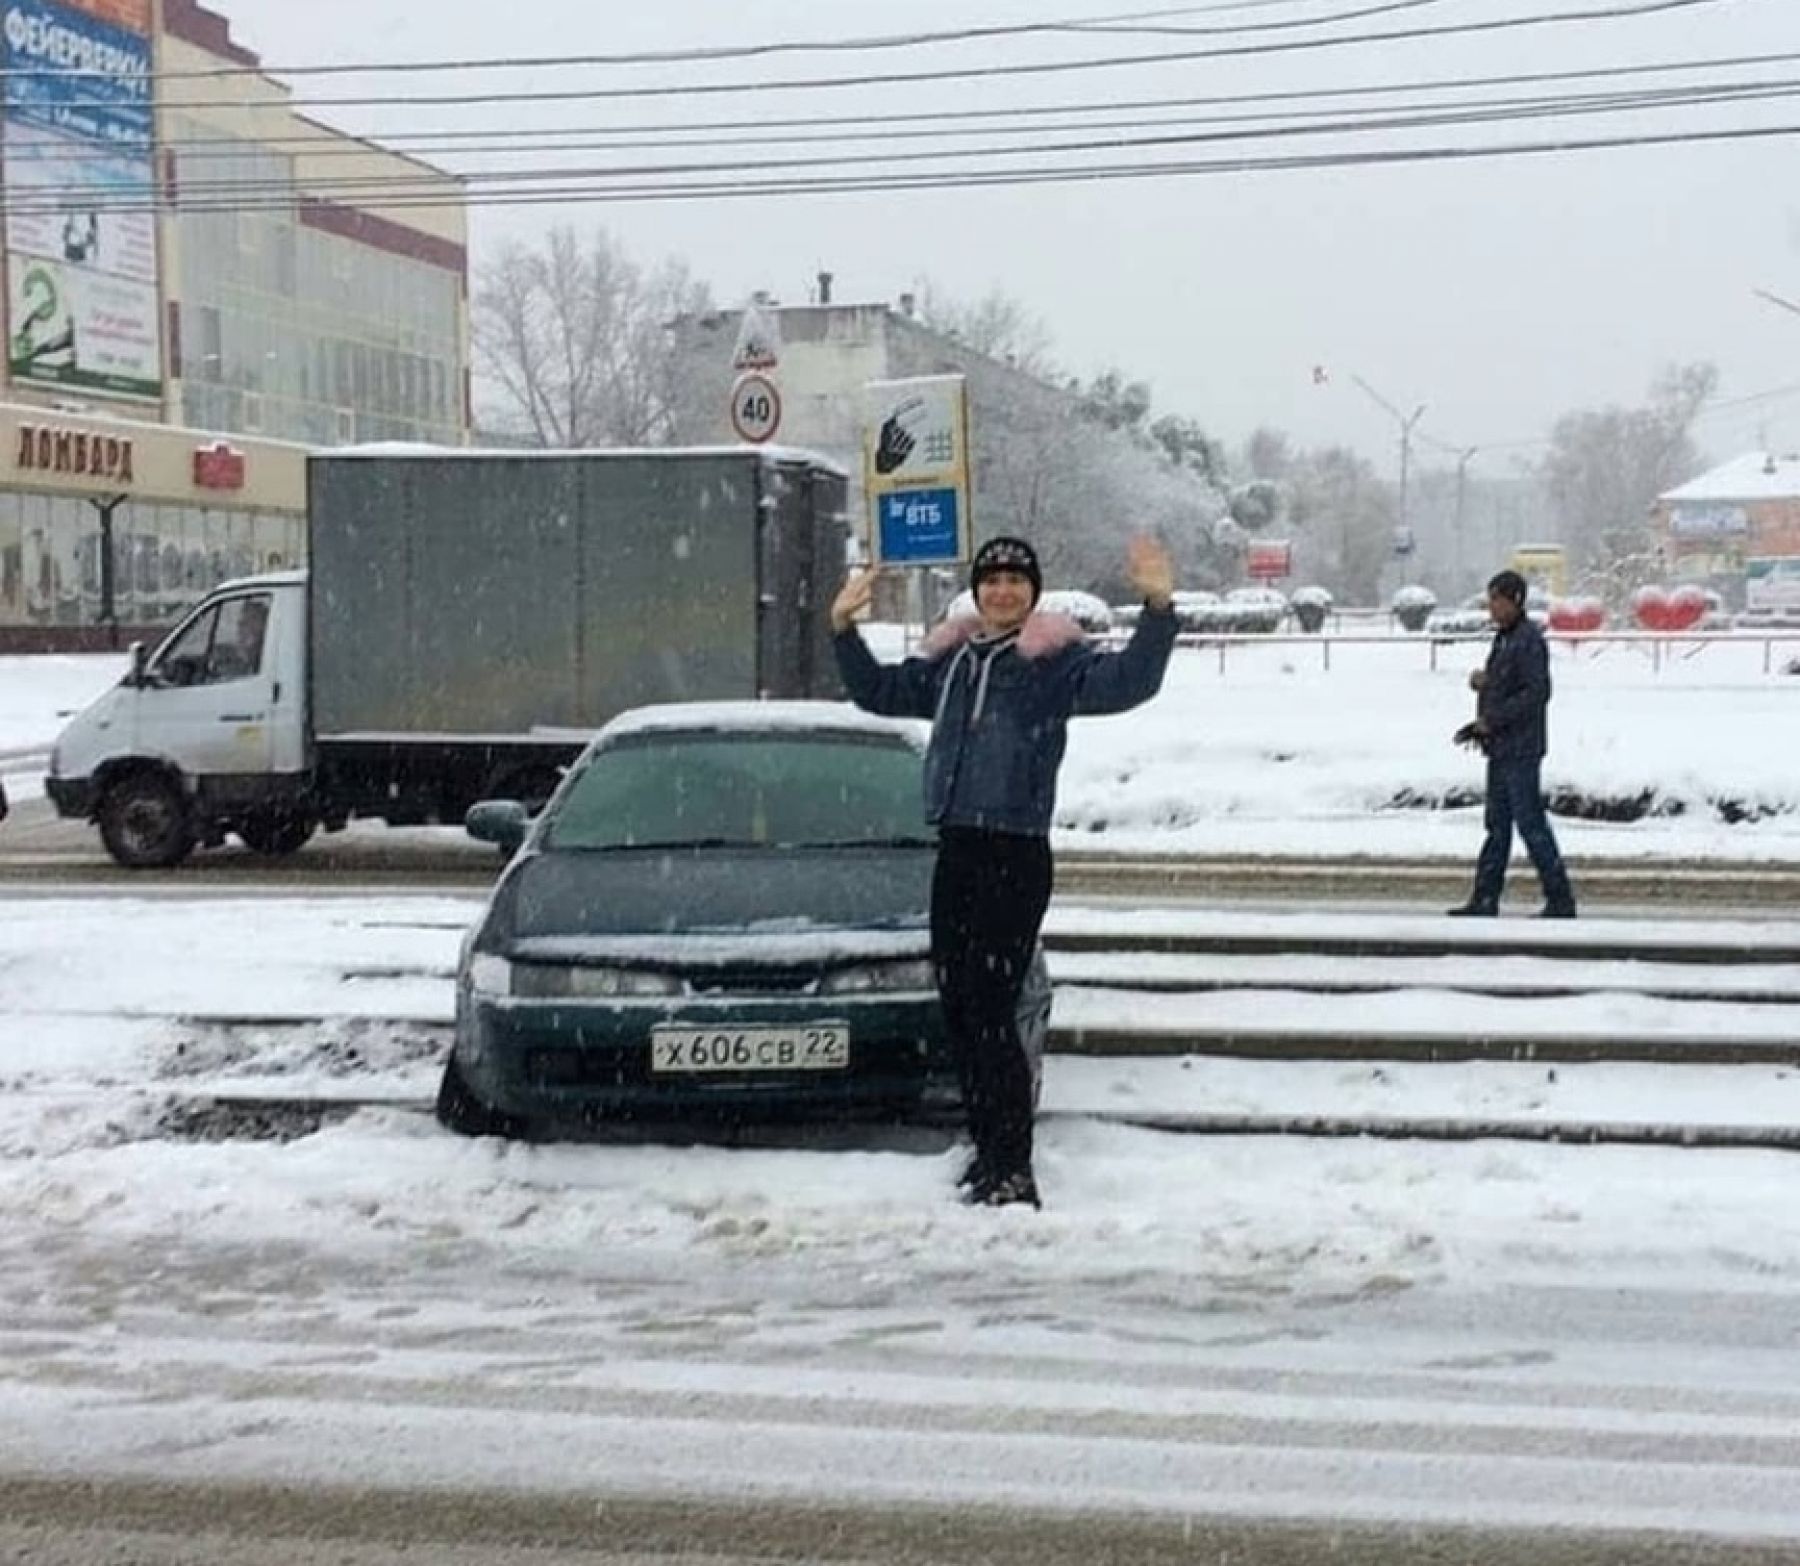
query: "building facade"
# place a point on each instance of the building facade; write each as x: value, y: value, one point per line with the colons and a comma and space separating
x: 188, y: 281
x: 1714, y: 530
x: 827, y: 354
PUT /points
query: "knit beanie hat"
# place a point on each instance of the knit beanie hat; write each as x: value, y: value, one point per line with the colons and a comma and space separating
x: 1007, y: 554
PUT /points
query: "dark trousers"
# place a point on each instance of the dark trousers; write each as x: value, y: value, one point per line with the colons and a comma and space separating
x: 1515, y: 798
x: 988, y: 897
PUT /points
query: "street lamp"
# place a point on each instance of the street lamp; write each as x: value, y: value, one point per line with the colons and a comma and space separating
x: 1407, y: 423
x: 1463, y: 459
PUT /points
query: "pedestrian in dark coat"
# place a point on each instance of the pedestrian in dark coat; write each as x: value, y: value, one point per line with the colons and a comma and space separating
x: 1511, y: 729
x: 999, y: 687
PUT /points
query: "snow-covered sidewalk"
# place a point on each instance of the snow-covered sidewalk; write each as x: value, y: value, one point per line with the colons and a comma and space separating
x: 1273, y: 754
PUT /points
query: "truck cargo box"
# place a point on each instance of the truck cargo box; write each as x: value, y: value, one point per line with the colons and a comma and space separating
x: 497, y: 592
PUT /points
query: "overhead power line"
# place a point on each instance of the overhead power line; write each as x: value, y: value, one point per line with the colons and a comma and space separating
x: 1126, y: 23
x: 1588, y: 15
x: 502, y: 142
x: 897, y: 123
x: 600, y: 191
x: 204, y: 194
x: 602, y: 141
x: 195, y: 195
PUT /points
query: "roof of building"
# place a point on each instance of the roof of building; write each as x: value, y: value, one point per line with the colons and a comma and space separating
x: 1757, y: 475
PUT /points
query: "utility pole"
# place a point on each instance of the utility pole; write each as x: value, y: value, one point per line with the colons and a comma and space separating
x: 1407, y: 423
x: 1463, y: 459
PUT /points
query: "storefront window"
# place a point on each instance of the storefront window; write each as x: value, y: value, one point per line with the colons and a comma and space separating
x: 12, y: 560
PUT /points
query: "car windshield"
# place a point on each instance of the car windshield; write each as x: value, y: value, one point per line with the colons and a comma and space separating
x: 753, y: 790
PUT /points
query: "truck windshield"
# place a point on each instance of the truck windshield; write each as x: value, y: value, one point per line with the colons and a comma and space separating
x: 752, y: 790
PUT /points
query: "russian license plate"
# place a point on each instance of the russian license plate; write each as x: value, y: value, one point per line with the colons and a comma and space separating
x: 823, y: 1046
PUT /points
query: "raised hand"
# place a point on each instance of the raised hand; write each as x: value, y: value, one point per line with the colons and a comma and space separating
x: 1150, y: 571
x: 853, y: 597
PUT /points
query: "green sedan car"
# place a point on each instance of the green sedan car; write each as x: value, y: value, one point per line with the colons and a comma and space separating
x: 723, y: 910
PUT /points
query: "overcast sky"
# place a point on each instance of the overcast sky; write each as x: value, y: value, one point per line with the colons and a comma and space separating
x: 1497, y: 293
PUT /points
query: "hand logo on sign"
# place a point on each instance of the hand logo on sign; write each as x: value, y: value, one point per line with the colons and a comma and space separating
x: 897, y: 439
x: 895, y: 446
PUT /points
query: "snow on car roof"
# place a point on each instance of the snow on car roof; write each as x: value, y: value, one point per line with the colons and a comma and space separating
x: 760, y: 717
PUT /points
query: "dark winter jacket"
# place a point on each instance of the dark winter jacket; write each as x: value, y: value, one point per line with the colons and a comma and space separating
x: 999, y: 708
x: 1517, y: 692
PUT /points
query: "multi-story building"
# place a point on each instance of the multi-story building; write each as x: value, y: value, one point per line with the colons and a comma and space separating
x: 194, y: 300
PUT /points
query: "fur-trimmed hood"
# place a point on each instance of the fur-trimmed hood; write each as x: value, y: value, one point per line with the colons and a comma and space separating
x: 1043, y: 635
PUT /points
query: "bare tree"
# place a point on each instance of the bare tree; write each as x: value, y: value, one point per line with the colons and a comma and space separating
x: 572, y: 345
x: 996, y: 325
x: 1607, y: 466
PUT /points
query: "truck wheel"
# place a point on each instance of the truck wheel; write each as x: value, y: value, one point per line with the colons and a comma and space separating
x: 459, y: 1110
x: 277, y: 833
x: 145, y: 823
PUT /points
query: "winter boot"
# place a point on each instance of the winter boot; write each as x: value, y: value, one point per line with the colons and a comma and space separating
x: 1005, y: 1191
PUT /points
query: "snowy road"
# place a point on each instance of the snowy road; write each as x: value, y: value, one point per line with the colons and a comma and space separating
x: 753, y: 1365
x: 1202, y: 1341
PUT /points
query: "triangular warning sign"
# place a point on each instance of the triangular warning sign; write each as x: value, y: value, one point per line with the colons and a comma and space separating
x: 759, y: 340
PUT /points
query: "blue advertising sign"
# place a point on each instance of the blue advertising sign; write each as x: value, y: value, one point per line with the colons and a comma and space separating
x: 919, y: 527
x: 76, y: 74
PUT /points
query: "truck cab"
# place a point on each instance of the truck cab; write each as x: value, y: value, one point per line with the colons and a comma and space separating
x: 204, y: 735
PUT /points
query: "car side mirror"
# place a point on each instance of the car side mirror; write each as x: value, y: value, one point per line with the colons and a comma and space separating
x: 140, y: 659
x: 503, y: 822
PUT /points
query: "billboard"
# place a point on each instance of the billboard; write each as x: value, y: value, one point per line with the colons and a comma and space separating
x: 1772, y: 585
x: 82, y: 284
x: 916, y: 470
x: 1269, y: 560
x: 1688, y: 520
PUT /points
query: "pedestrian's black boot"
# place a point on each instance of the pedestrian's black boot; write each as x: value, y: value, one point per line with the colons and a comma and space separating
x: 1557, y: 911
x: 1474, y: 910
x: 974, y: 1172
x: 1005, y: 1190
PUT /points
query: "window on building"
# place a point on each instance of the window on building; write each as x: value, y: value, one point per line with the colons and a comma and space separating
x: 210, y: 362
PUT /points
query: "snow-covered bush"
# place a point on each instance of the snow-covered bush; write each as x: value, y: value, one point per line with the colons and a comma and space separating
x: 1256, y: 610
x: 1311, y: 605
x: 1247, y: 611
x: 1469, y: 618
x: 1412, y: 606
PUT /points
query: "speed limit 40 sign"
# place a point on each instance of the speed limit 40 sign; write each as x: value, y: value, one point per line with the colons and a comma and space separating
x: 755, y: 408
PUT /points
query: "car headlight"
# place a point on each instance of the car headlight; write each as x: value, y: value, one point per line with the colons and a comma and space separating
x: 574, y: 981
x: 490, y: 975
x: 56, y: 760
x: 878, y: 976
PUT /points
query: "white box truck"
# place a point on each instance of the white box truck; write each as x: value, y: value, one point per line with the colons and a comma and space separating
x: 467, y: 619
